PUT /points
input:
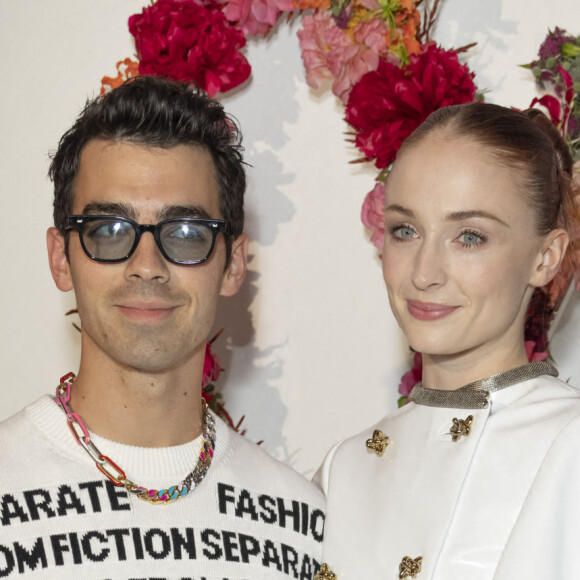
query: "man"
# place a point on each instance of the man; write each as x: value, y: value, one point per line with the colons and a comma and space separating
x: 126, y: 474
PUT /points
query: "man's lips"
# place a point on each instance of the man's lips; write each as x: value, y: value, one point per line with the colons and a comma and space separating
x: 429, y: 310
x: 147, y: 312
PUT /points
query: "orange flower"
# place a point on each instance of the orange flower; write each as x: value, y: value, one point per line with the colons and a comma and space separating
x: 408, y: 5
x: 125, y: 70
x: 311, y: 4
x: 407, y: 23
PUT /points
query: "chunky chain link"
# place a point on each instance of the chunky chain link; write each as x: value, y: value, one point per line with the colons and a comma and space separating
x: 115, y: 474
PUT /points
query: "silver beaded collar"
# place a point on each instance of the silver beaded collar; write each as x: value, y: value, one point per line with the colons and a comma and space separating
x: 476, y: 395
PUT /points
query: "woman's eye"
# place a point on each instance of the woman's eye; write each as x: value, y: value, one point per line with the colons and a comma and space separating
x: 403, y: 233
x: 470, y: 239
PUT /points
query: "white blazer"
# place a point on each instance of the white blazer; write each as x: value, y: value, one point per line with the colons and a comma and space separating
x: 501, y: 503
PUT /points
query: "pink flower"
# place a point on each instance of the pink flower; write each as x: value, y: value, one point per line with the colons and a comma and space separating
x: 255, y: 17
x: 211, y: 367
x: 350, y: 60
x: 373, y: 214
x: 192, y: 42
x: 314, y: 47
x: 388, y: 104
x: 329, y: 52
x: 534, y: 356
x: 412, y: 377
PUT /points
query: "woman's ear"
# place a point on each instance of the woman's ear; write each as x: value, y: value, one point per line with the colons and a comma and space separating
x: 236, y: 271
x: 58, y: 261
x: 550, y: 258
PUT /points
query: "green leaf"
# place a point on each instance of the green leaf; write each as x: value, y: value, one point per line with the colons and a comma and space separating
x: 570, y: 50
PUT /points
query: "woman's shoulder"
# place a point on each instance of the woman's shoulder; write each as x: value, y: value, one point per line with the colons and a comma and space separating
x: 371, y: 440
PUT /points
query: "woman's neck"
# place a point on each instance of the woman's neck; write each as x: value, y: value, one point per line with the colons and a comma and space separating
x: 450, y: 372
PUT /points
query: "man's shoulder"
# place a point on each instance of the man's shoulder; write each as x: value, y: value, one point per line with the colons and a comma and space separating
x: 13, y: 429
x: 24, y: 438
x: 257, y: 469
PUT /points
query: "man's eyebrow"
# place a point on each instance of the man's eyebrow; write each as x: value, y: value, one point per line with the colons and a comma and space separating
x: 100, y: 208
x: 125, y: 210
x: 457, y: 216
x: 177, y: 211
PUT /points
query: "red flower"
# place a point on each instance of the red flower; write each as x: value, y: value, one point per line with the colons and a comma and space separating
x: 211, y: 367
x: 190, y: 41
x: 388, y: 104
x: 412, y: 377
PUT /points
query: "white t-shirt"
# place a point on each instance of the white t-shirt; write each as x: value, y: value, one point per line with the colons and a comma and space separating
x: 252, y: 517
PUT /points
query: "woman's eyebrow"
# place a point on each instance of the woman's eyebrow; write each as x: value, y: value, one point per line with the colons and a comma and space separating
x: 463, y: 215
x: 400, y: 209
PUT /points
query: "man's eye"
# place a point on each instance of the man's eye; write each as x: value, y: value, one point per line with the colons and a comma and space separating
x: 187, y: 233
x: 108, y: 230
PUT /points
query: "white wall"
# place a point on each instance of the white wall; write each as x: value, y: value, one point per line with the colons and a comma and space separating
x: 312, y: 352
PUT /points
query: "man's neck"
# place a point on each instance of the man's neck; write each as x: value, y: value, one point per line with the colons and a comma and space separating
x: 145, y: 410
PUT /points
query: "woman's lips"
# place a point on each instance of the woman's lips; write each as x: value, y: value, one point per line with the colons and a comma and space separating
x: 429, y: 310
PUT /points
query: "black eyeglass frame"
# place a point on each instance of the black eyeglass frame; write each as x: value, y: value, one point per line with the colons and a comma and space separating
x: 76, y: 222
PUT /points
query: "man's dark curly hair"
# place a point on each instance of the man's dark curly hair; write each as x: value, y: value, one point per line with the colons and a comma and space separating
x: 156, y: 112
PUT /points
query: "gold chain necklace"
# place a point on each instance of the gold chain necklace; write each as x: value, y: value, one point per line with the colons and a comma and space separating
x: 115, y: 474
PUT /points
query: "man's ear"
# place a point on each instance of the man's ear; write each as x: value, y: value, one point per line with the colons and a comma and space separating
x: 550, y: 257
x: 236, y: 271
x: 57, y: 260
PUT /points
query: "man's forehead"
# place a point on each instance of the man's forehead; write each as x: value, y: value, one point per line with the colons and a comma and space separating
x: 133, y: 180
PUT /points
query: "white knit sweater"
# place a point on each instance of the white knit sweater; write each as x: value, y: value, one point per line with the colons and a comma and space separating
x: 250, y: 518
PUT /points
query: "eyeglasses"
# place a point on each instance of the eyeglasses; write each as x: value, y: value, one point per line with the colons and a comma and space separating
x: 110, y: 238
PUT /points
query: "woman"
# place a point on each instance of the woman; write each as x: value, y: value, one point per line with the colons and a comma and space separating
x: 478, y: 477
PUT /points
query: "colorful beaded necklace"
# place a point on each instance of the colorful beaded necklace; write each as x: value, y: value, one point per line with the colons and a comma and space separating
x: 114, y: 473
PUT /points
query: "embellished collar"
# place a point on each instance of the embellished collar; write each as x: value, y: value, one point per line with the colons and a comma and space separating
x: 476, y: 395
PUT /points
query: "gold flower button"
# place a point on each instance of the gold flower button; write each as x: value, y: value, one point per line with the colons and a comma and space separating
x: 461, y: 428
x: 325, y: 573
x: 409, y: 568
x: 378, y: 443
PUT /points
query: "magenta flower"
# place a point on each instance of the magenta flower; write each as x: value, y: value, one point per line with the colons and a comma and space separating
x: 412, y: 377
x: 553, y: 43
x: 211, y: 367
x: 534, y: 356
x: 388, y: 104
x: 189, y: 41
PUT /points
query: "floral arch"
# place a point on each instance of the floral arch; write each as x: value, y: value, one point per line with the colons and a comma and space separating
x: 387, y: 71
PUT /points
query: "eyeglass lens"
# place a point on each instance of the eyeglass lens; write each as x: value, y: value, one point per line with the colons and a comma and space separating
x: 182, y: 241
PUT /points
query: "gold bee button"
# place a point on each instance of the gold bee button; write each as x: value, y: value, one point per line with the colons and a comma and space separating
x: 378, y: 442
x: 409, y: 567
x: 325, y: 573
x: 461, y: 428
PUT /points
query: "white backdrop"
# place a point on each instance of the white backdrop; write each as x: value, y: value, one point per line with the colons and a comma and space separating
x: 310, y: 348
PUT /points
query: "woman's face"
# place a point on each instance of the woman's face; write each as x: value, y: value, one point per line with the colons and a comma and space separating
x: 460, y: 249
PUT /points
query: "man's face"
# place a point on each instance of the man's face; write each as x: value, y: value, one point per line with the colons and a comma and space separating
x: 145, y: 313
